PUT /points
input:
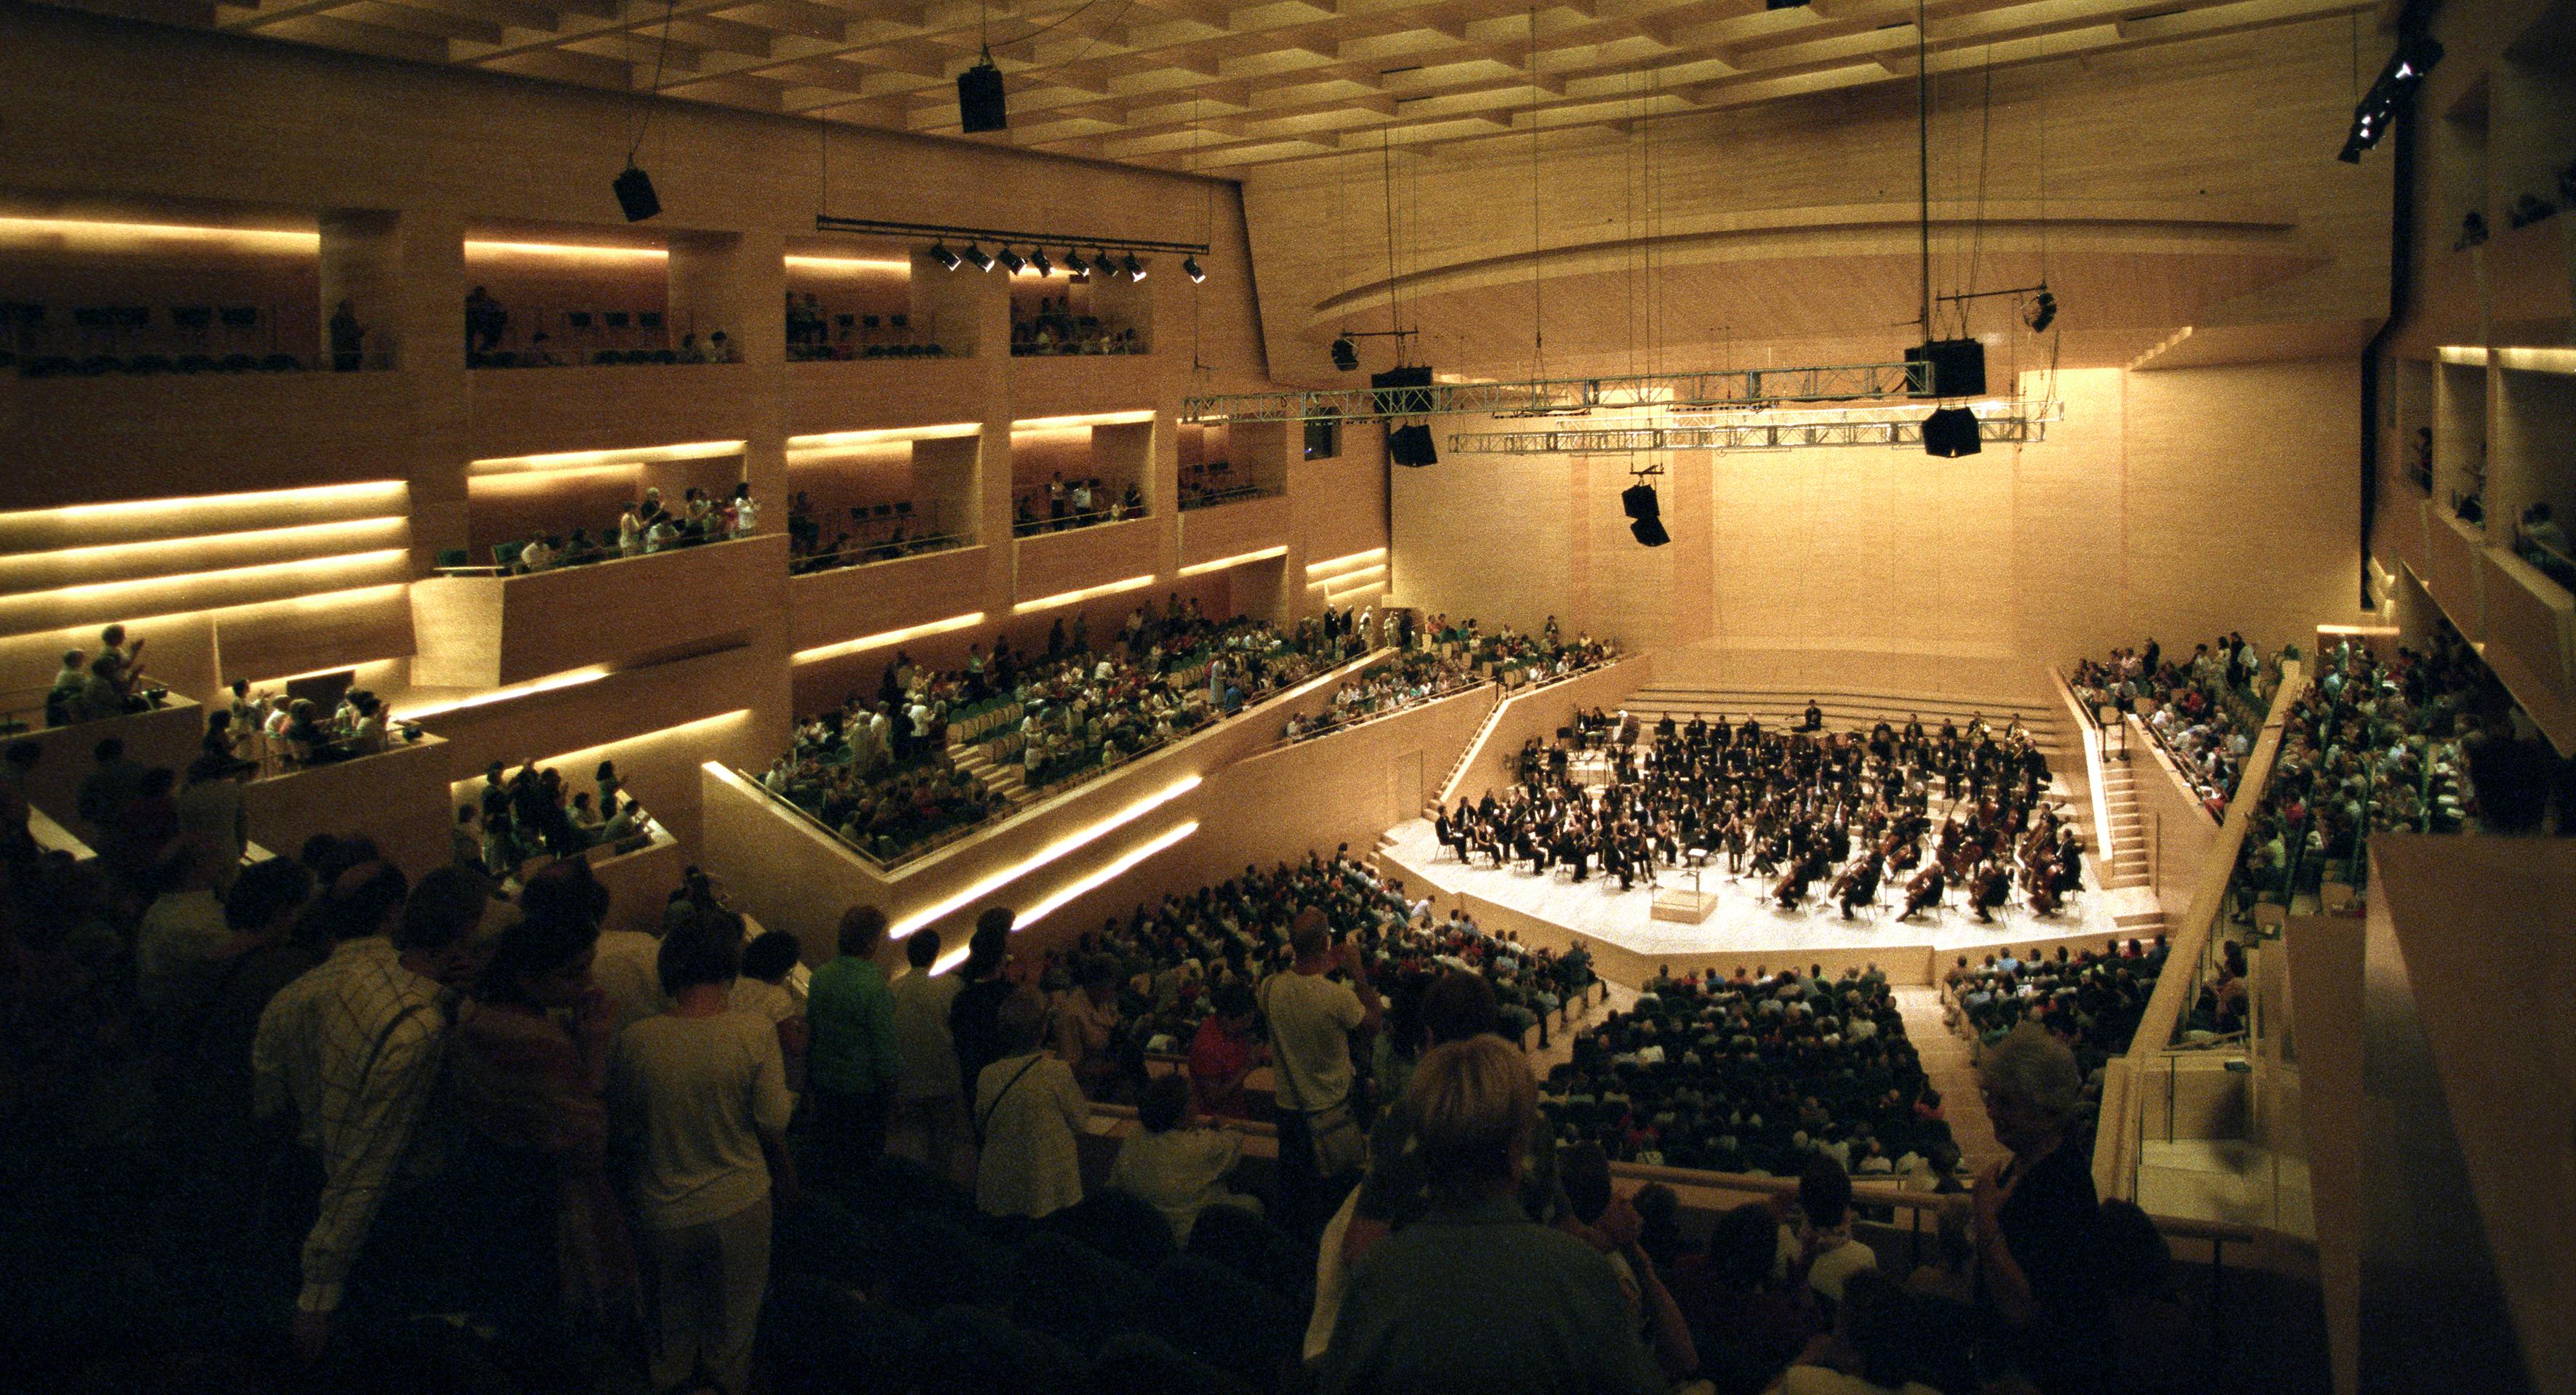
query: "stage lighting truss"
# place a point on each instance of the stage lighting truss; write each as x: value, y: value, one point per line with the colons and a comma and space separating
x: 2000, y: 422
x: 1732, y: 390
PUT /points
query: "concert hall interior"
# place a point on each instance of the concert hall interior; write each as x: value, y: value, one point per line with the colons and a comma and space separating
x: 683, y: 712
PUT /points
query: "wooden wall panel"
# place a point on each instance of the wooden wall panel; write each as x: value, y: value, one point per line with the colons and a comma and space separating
x: 2179, y: 832
x: 266, y: 642
x: 398, y: 798
x: 613, y: 612
x: 1229, y: 530
x: 1050, y: 564
x: 849, y: 602
x: 166, y: 736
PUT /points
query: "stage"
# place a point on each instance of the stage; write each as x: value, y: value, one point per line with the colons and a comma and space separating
x: 1745, y: 927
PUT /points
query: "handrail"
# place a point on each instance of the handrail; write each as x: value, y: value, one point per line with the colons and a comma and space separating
x: 1380, y: 714
x: 599, y: 557
x: 2089, y: 728
x: 863, y: 554
x: 1072, y: 522
x: 2173, y: 761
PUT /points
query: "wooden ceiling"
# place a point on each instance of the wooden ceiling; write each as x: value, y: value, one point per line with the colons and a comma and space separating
x: 1220, y: 86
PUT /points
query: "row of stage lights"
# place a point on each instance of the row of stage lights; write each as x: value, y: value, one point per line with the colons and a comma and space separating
x: 1036, y: 260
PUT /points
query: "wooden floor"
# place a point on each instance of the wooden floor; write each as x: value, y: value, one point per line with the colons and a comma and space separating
x: 1946, y: 1060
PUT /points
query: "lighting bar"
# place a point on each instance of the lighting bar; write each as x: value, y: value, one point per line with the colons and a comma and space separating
x: 2471, y: 355
x: 846, y: 264
x: 1064, y: 598
x: 1238, y: 559
x: 1071, y: 843
x: 882, y: 436
x: 1347, y: 559
x: 570, y: 678
x: 1125, y: 863
x: 336, y: 561
x: 1731, y: 389
x: 2014, y: 428
x: 289, y: 534
x: 97, y: 230
x: 1089, y: 419
x: 255, y: 498
x: 880, y: 640
x: 476, y: 247
x: 589, y: 459
x: 2532, y: 360
x: 825, y: 222
x: 1327, y: 583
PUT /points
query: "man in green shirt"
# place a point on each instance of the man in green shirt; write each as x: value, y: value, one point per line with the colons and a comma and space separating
x: 853, y: 1063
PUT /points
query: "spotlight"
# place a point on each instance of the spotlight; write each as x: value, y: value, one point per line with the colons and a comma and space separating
x: 2041, y: 312
x: 1190, y: 268
x: 981, y: 259
x: 1346, y: 355
x: 635, y: 194
x: 979, y: 98
x: 2371, y: 117
x: 939, y: 253
x: 1038, y: 262
x: 1951, y: 432
x: 1100, y: 263
x: 1014, y: 262
x: 1411, y: 446
x: 1135, y: 268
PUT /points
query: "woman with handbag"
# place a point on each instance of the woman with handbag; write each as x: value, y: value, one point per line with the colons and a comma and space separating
x: 1028, y: 1113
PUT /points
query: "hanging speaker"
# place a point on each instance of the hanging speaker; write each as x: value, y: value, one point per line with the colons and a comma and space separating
x: 1650, y: 531
x: 1639, y: 502
x: 635, y: 194
x: 1946, y: 368
x: 979, y: 99
x: 1951, y: 432
x: 1403, y: 390
x: 1411, y: 446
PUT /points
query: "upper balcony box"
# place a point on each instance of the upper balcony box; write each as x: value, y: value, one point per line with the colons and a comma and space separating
x: 829, y: 608
x: 873, y: 394
x: 577, y: 409
x: 487, y: 631
x: 2531, y: 641
x: 1220, y: 531
x: 1075, y: 385
x: 1054, y: 566
x: 2455, y: 573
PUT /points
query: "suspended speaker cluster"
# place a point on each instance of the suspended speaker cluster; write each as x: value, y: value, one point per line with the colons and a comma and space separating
x: 1645, y: 514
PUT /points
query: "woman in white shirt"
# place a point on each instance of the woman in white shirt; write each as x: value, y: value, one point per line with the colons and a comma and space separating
x: 698, y: 1096
x: 1028, y: 1114
x: 1177, y: 1167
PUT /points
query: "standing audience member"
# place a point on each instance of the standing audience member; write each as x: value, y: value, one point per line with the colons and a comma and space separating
x: 698, y: 1100
x: 855, y: 1060
x: 1223, y: 1053
x: 1311, y: 1017
x: 1028, y: 1114
x: 1475, y: 1295
x: 183, y: 942
x: 1085, y: 1025
x: 2035, y: 1210
x: 973, y: 1020
x: 930, y: 1111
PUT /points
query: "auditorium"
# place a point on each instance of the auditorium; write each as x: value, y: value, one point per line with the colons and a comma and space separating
x: 1841, y: 697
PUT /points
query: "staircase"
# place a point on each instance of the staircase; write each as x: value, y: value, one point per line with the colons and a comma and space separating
x: 2127, y: 865
x: 1467, y: 753
x: 1949, y: 1063
x: 1003, y: 780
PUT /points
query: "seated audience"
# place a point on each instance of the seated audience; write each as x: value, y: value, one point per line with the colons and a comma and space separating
x: 1175, y: 1165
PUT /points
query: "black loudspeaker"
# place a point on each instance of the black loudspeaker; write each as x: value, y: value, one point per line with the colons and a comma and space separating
x: 1650, y: 531
x: 979, y: 99
x: 1958, y: 368
x: 635, y: 195
x: 1951, y: 432
x: 1411, y: 446
x: 1395, y: 402
x: 1638, y: 501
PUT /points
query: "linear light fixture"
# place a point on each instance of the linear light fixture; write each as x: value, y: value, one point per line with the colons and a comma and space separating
x: 569, y: 678
x: 319, y: 600
x: 310, y: 494
x: 592, y: 459
x: 846, y: 264
x: 883, y: 638
x: 273, y: 240
x: 351, y: 666
x: 1221, y: 563
x: 1085, y: 419
x: 591, y: 755
x: 1062, y: 847
x: 2469, y: 355
x: 483, y: 247
x: 93, y: 552
x: 880, y: 436
x: 1063, y: 598
x: 1344, y: 579
x: 335, y: 562
x: 2537, y: 360
x: 1347, y: 559
x: 1124, y: 863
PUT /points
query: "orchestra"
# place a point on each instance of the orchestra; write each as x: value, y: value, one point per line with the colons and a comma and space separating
x: 1850, y: 810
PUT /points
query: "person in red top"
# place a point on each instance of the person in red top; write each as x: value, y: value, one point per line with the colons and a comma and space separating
x: 1223, y: 1053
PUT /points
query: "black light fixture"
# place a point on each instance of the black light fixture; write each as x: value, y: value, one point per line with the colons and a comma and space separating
x: 1014, y: 262
x: 979, y: 98
x: 939, y: 253
x: 1135, y: 268
x: 978, y: 258
x: 1951, y: 432
x: 1645, y: 514
x: 1190, y: 267
x: 2416, y: 54
x: 1038, y: 259
x: 1410, y: 446
x: 2041, y: 312
x: 1346, y: 355
x: 1100, y: 263
x: 635, y: 194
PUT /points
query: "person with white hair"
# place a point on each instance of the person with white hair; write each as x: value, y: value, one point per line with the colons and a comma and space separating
x: 2035, y: 1211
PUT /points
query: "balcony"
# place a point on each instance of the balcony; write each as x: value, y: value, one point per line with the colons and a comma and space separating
x: 2531, y: 641
x: 873, y: 393
x: 604, y: 408
x: 1047, y: 566
x: 829, y: 607
x: 81, y: 439
x: 398, y: 798
x: 481, y: 632
x: 2453, y: 571
x: 1067, y: 385
x: 1217, y: 531
x: 2527, y: 282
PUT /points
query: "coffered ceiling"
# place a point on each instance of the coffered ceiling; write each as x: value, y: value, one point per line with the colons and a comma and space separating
x: 1223, y: 87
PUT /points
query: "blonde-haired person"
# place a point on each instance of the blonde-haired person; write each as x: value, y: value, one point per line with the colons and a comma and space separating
x: 1475, y: 1295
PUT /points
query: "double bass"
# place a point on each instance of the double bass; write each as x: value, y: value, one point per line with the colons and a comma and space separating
x: 1925, y: 889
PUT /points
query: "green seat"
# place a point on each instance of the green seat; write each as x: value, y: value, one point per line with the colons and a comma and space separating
x: 455, y: 557
x: 506, y: 554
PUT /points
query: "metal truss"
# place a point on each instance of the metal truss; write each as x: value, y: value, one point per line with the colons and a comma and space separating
x: 2021, y: 424
x: 1733, y: 389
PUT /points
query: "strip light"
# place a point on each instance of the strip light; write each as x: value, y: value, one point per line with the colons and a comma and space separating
x: 1064, y: 598
x: 477, y: 247
x: 310, y: 494
x: 580, y: 459
x: 807, y: 263
x: 100, y: 551
x: 319, y: 600
x: 337, y: 561
x: 1062, y: 847
x: 1237, y: 560
x: 96, y: 230
x: 883, y: 436
x: 570, y: 678
x: 880, y: 640
x: 591, y: 755
x: 1125, y: 863
x: 2473, y: 355
x: 1347, y: 559
x: 1090, y: 419
x: 1344, y: 579
x: 2533, y: 360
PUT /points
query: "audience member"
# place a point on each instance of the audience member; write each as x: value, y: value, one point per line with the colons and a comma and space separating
x: 1170, y: 1162
x: 1028, y: 1113
x: 929, y: 1108
x: 1311, y: 1018
x: 856, y: 1058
